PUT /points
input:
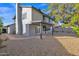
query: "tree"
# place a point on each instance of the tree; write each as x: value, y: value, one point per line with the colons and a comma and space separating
x: 1, y: 25
x: 69, y: 13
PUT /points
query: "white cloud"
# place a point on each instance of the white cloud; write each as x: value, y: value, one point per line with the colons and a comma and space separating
x: 7, y: 14
x: 5, y: 9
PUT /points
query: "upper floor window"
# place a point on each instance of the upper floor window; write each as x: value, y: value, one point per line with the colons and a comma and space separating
x: 24, y: 15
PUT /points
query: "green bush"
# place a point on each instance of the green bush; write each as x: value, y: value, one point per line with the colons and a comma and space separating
x: 1, y: 25
x: 1, y: 41
x: 56, y: 31
x: 76, y: 30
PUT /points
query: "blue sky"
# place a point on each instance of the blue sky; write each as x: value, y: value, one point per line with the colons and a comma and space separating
x: 8, y: 10
x: 37, y: 5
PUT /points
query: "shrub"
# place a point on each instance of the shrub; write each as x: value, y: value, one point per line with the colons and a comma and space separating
x: 2, y: 39
x: 76, y: 30
x: 56, y: 31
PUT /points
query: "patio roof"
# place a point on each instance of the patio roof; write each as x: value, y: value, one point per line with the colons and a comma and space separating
x: 43, y: 23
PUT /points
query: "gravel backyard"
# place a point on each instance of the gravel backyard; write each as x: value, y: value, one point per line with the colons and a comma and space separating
x: 48, y: 46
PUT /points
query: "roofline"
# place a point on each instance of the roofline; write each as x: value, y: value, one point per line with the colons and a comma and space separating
x: 26, y: 6
x: 37, y: 10
x: 9, y: 25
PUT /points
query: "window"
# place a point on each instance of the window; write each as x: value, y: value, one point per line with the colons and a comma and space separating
x: 24, y: 16
x: 37, y: 29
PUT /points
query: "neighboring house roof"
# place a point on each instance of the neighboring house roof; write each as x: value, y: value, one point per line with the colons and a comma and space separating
x: 8, y: 25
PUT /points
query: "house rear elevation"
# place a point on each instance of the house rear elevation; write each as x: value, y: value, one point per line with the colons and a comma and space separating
x: 31, y: 21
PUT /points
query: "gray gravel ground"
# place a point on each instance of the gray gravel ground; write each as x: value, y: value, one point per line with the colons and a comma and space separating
x: 48, y: 46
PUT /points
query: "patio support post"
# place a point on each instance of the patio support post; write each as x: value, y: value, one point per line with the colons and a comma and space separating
x: 45, y: 29
x: 44, y: 25
x: 40, y: 30
x: 52, y: 30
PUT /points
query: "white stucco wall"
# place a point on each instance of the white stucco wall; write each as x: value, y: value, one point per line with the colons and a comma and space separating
x: 11, y: 29
x: 26, y: 19
x: 27, y: 15
x: 26, y: 29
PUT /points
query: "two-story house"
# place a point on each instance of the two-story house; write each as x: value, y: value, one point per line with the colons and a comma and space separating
x: 31, y: 21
